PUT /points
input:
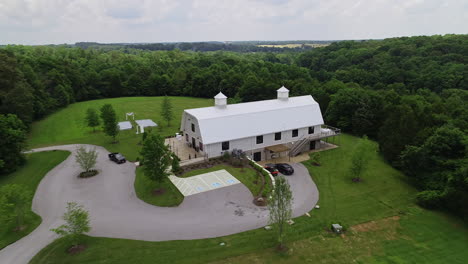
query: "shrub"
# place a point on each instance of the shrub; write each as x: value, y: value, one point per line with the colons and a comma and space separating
x: 429, y: 199
x: 226, y: 156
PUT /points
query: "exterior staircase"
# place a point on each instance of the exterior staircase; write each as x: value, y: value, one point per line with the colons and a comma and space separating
x: 298, y: 147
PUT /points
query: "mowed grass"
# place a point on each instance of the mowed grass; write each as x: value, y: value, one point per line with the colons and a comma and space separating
x: 68, y: 125
x: 30, y: 175
x: 403, y: 232
x: 247, y: 176
x: 144, y: 188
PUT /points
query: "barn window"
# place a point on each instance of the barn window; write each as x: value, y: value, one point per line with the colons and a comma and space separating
x: 259, y: 139
x: 193, y: 127
x: 295, y: 133
x: 311, y: 130
x: 278, y: 136
x: 225, y: 145
x: 200, y: 146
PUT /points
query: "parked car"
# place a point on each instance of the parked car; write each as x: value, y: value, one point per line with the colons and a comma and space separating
x: 117, y: 158
x: 285, y: 168
x: 271, y: 168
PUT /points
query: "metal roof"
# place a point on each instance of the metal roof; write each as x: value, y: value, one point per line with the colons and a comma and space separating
x: 283, y: 89
x: 220, y: 96
x: 255, y: 118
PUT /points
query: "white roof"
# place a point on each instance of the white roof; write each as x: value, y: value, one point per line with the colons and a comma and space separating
x: 255, y: 118
x: 282, y: 89
x: 125, y: 125
x: 220, y: 96
x: 146, y: 123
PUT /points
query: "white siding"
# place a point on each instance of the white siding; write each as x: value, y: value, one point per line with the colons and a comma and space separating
x: 187, y: 129
x: 249, y: 145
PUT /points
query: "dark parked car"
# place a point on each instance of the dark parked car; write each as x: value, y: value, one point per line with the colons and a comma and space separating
x: 117, y: 158
x: 285, y: 168
x: 271, y: 168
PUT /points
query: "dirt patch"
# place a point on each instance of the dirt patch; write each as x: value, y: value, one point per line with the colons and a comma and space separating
x: 88, y: 174
x: 386, y: 223
x: 260, y: 201
x: 76, y: 249
x: 282, y: 248
x: 159, y: 191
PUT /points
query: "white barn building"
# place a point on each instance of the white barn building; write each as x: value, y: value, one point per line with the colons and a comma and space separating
x: 263, y: 129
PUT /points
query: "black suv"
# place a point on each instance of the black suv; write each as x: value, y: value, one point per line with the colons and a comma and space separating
x: 117, y: 158
x: 285, y: 168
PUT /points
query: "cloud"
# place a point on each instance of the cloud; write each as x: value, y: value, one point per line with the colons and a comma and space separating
x: 69, y: 21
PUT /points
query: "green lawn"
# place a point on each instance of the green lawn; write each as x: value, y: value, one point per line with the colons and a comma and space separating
x: 68, y: 126
x: 30, y: 175
x: 144, y: 188
x: 417, y: 235
x: 248, y: 176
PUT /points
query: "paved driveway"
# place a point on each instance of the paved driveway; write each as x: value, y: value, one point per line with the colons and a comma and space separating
x: 115, y: 211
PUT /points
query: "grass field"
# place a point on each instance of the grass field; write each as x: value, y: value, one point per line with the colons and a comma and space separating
x: 386, y: 227
x: 68, y: 126
x: 30, y: 175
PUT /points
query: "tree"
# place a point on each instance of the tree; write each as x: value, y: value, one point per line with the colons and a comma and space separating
x: 12, y: 142
x: 166, y: 110
x: 109, y: 121
x: 175, y: 163
x: 86, y: 158
x: 76, y: 223
x: 92, y: 118
x: 156, y: 157
x: 360, y: 159
x: 16, y: 200
x: 279, y: 206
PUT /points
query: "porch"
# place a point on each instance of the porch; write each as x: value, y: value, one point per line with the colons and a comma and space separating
x: 183, y: 150
x: 299, y: 158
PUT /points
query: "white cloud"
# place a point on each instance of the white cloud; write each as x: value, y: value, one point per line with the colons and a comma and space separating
x: 69, y: 21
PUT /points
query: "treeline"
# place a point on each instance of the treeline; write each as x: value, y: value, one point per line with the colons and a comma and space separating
x: 409, y: 94
x: 190, y: 46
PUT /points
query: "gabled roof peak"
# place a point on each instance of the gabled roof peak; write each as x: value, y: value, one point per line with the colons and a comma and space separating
x: 220, y: 96
x: 283, y: 89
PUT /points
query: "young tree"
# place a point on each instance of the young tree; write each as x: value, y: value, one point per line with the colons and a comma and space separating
x: 109, y: 121
x: 279, y: 206
x: 166, y: 110
x: 16, y: 199
x: 92, y: 118
x: 360, y: 159
x: 86, y: 158
x: 77, y: 223
x: 175, y: 163
x: 156, y: 157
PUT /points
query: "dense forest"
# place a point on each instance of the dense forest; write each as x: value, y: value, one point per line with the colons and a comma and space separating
x: 409, y: 94
x: 236, y: 46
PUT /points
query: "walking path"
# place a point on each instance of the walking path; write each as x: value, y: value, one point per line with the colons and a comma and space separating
x: 116, y: 212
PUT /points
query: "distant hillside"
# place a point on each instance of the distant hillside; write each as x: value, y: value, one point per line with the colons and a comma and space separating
x: 236, y: 46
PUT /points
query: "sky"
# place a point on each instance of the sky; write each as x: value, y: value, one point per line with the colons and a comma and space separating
x: 143, y: 21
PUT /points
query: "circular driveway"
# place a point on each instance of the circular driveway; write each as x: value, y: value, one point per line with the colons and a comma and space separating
x: 115, y: 211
